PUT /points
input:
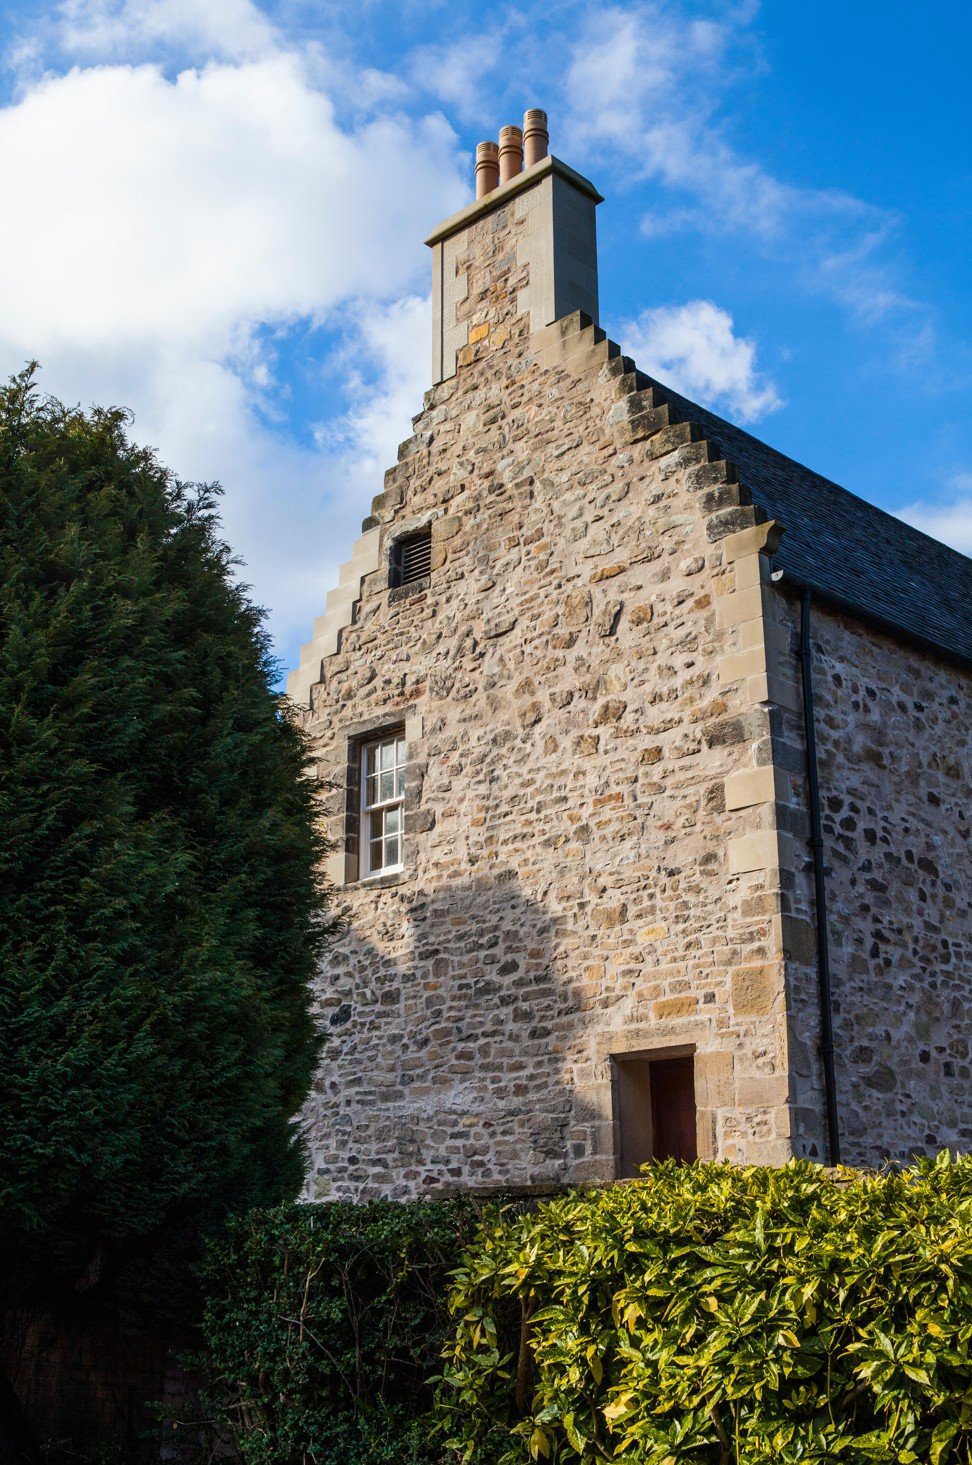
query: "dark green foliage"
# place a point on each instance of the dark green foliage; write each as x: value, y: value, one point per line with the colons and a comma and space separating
x: 323, y: 1327
x: 159, y: 907
x: 710, y: 1314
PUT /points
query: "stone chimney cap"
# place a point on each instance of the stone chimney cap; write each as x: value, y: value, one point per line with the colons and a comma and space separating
x: 527, y: 179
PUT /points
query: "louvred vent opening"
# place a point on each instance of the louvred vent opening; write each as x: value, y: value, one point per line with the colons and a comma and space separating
x: 411, y: 558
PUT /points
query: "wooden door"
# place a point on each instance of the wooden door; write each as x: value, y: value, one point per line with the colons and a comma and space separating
x: 673, y: 1108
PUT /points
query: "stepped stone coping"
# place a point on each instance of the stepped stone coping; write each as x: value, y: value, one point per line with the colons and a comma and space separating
x: 339, y: 612
x: 852, y: 554
x: 849, y: 552
x: 838, y: 545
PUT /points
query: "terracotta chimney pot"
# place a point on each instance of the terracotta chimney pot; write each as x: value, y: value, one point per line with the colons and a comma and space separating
x: 510, y: 153
x: 487, y: 168
x: 536, y: 139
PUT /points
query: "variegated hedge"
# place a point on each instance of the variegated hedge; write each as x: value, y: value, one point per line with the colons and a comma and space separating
x: 710, y: 1314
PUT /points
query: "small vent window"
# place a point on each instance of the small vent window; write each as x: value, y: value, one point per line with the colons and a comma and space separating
x: 411, y: 558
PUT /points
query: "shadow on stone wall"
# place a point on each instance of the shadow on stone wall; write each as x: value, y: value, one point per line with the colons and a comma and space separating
x: 446, y: 1044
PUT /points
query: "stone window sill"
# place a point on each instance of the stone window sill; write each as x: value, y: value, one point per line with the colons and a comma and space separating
x: 398, y: 593
x: 376, y: 882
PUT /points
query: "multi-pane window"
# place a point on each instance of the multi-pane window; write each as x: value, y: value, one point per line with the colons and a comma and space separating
x: 382, y: 804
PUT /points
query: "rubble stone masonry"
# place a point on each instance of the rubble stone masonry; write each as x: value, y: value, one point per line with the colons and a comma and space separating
x: 892, y: 727
x: 606, y: 836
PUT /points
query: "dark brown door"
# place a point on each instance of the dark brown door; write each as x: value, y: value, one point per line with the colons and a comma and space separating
x: 673, y: 1108
x: 655, y: 1111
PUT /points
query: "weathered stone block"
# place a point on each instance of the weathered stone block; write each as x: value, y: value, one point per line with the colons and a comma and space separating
x: 753, y: 786
x: 741, y: 605
x: 674, y: 1007
x: 714, y: 1085
x: 447, y: 527
x: 758, y: 851
x: 755, y: 989
x: 744, y: 728
x: 799, y: 940
x: 575, y: 608
x: 743, y: 664
x: 606, y: 917
x: 730, y: 522
x: 761, y: 1091
x: 610, y: 710
x: 606, y: 620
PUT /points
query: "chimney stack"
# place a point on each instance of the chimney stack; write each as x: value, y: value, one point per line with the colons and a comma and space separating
x: 536, y: 139
x: 487, y: 168
x: 510, y: 153
x: 524, y: 251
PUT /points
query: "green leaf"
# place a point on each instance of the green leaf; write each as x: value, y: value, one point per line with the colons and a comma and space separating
x: 539, y: 1444
x: 942, y: 1437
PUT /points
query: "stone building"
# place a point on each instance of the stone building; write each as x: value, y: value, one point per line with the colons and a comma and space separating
x: 646, y: 757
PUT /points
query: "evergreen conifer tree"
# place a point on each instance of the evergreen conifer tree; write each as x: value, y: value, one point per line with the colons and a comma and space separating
x: 160, y: 905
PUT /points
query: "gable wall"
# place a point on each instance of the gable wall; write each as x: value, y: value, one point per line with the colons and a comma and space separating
x: 582, y: 692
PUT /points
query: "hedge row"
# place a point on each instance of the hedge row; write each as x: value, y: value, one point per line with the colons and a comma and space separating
x: 323, y: 1328
x: 705, y: 1314
x: 715, y: 1314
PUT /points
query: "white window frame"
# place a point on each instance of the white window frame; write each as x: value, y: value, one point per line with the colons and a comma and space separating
x: 376, y: 812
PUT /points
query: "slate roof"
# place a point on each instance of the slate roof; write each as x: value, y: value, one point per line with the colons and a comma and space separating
x: 847, y: 551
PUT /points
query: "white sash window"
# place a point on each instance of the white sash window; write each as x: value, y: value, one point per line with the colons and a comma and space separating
x: 382, y: 805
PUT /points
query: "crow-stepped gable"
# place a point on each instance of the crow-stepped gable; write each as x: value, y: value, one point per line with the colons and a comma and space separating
x: 646, y: 758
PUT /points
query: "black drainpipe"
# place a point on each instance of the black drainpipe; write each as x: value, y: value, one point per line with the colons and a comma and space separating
x: 819, y: 887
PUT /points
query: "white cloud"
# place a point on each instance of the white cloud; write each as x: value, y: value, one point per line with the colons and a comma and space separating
x: 646, y: 86
x: 453, y: 71
x: 177, y: 224
x: 228, y: 29
x: 646, y: 81
x: 694, y: 349
x: 181, y: 209
x: 397, y: 339
x: 948, y: 518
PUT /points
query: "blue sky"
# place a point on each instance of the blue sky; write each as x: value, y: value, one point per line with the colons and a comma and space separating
x: 215, y: 213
